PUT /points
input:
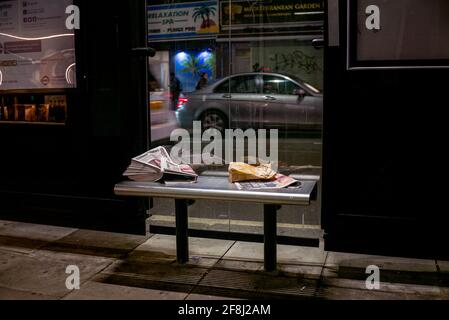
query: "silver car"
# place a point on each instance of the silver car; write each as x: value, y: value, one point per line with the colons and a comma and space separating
x: 253, y: 100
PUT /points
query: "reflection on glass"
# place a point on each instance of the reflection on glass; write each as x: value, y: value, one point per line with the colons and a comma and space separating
x: 256, y: 72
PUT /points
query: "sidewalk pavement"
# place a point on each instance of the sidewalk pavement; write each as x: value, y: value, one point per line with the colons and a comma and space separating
x: 34, y: 258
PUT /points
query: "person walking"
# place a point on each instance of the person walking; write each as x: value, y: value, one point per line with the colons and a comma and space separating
x: 202, y: 82
x: 176, y: 90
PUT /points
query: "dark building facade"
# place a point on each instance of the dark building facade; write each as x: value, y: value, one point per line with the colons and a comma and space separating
x: 383, y: 71
x: 386, y: 64
x: 64, y: 173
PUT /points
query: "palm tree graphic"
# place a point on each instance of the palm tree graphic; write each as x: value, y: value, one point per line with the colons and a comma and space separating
x: 205, y: 12
x: 194, y: 66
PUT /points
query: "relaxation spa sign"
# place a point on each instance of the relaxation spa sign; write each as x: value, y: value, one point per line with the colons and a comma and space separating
x: 183, y: 20
x: 398, y: 33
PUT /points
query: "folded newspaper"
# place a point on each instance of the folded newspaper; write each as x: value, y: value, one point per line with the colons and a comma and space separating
x: 157, y: 165
x: 258, y: 177
x: 278, y: 182
x: 240, y: 172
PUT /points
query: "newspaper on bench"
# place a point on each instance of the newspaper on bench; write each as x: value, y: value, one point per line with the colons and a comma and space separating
x: 157, y: 165
x: 279, y: 182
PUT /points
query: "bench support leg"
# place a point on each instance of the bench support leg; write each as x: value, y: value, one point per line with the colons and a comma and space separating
x: 270, y: 237
x: 182, y: 227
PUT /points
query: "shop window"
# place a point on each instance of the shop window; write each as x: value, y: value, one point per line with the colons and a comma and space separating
x: 255, y: 67
x: 37, y: 62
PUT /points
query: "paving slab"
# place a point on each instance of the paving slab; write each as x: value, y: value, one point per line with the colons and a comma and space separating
x: 392, y: 270
x: 11, y: 294
x: 301, y: 255
x: 286, y: 254
x: 201, y: 297
x: 44, y: 274
x: 300, y: 271
x: 443, y: 274
x: 384, y: 286
x: 197, y: 247
x: 340, y: 260
x: 239, y: 265
x: 25, y: 237
x: 203, y: 262
x: 4, y: 223
x: 443, y: 266
x: 162, y: 277
x: 17, y: 245
x: 35, y: 231
x: 341, y: 289
x: 333, y: 293
x: 115, y: 245
x: 152, y: 256
x: 9, y: 259
x: 102, y: 291
x: 445, y: 293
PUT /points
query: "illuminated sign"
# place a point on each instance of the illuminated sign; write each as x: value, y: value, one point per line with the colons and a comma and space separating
x: 237, y: 14
x: 183, y: 20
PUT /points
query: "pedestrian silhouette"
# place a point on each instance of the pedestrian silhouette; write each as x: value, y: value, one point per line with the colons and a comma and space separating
x: 176, y: 89
x: 202, y: 82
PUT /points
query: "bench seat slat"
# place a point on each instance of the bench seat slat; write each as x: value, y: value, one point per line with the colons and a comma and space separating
x: 218, y: 188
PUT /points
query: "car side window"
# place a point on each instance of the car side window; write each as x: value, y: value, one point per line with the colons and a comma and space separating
x: 245, y: 84
x: 239, y: 84
x: 279, y: 85
x: 225, y: 86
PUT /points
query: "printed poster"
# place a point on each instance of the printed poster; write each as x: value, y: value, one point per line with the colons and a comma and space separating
x: 37, y: 51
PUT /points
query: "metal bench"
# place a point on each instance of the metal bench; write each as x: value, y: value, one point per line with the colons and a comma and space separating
x: 218, y: 188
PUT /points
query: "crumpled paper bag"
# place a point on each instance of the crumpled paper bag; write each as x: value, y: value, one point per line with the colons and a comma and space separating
x: 239, y: 172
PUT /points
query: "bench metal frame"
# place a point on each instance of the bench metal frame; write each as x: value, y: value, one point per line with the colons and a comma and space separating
x: 219, y: 188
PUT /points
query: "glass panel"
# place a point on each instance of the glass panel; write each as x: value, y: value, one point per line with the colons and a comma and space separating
x: 279, y: 52
x: 241, y: 65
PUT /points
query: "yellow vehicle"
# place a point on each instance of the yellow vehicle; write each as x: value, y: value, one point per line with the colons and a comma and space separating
x: 162, y: 117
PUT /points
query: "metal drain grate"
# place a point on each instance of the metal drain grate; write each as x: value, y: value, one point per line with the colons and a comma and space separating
x: 231, y: 280
x: 159, y: 273
x: 259, y: 283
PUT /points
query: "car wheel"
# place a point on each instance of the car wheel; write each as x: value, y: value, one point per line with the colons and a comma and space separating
x: 214, y: 120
